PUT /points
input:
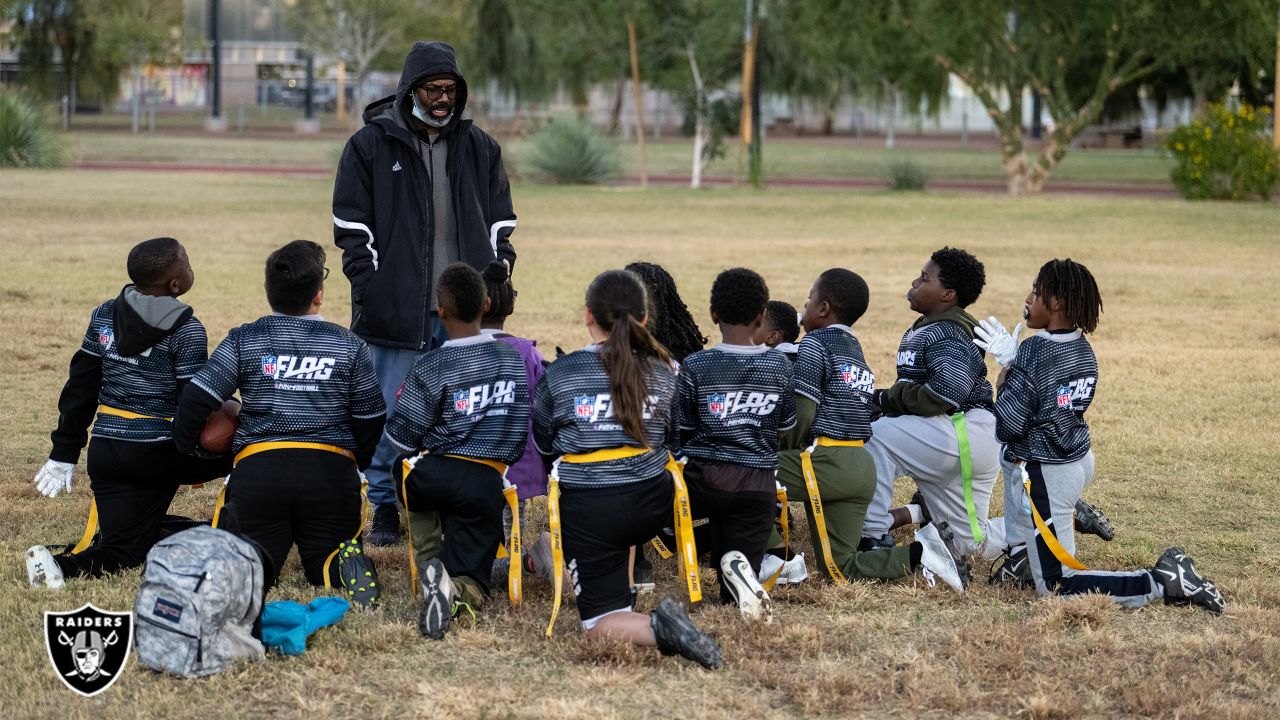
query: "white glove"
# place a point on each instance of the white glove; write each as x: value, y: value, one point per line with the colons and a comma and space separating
x: 54, y: 477
x: 992, y: 337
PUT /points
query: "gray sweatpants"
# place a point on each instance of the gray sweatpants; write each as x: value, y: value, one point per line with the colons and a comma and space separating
x: 1054, y: 491
x: 924, y: 449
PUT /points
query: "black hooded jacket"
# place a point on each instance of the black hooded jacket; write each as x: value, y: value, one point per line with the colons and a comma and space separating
x: 382, y: 207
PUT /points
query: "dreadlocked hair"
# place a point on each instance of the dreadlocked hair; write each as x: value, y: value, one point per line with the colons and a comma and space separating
x: 669, y: 318
x: 1073, y: 286
x: 617, y: 301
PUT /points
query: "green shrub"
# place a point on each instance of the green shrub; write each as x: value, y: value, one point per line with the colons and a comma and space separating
x: 907, y: 175
x: 571, y: 151
x: 25, y: 138
x: 1226, y: 156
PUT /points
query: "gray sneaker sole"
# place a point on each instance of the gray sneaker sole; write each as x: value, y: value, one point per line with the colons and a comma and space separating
x: 437, y: 609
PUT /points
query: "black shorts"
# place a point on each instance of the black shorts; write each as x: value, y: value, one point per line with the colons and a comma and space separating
x: 467, y: 498
x: 738, y: 502
x: 133, y: 485
x: 295, y: 496
x: 600, y: 525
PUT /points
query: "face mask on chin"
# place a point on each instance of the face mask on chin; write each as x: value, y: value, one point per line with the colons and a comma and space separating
x: 421, y: 113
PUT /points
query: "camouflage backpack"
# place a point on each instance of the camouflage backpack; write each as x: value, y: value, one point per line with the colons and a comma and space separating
x: 200, y: 596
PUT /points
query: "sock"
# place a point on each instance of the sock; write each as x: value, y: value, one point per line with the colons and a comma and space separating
x: 917, y: 550
x: 917, y: 516
x: 1015, y: 550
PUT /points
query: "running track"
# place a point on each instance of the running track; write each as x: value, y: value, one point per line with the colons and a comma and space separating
x: 1054, y: 187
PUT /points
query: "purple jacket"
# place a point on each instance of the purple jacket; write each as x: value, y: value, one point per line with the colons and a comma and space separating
x: 528, y: 474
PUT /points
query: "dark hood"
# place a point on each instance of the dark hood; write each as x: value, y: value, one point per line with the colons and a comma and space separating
x: 424, y: 60
x: 141, y: 321
x: 956, y: 315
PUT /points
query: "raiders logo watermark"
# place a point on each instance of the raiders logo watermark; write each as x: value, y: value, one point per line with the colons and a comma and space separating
x: 88, y: 647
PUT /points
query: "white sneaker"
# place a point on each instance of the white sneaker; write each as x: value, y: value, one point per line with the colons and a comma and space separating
x: 753, y: 601
x: 42, y: 569
x: 794, y: 571
x: 940, y: 558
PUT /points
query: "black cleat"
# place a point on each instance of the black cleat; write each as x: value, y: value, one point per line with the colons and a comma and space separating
x: 676, y: 634
x: 356, y: 574
x: 884, y: 542
x: 1182, y: 585
x: 1090, y: 521
x: 1013, y: 570
x: 385, y: 528
x: 918, y: 499
x: 437, y: 599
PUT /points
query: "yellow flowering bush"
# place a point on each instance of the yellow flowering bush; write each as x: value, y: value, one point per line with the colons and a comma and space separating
x: 1226, y: 156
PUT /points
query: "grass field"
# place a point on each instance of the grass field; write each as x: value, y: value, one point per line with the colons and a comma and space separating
x: 785, y: 158
x: 1186, y: 455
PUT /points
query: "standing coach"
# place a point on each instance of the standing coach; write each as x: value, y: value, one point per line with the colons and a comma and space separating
x: 417, y: 188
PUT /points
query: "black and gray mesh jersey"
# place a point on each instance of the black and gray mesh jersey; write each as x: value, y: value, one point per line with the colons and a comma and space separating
x: 573, y: 413
x: 735, y: 399
x: 942, y: 356
x: 146, y: 383
x: 468, y: 397
x: 831, y: 371
x: 300, y: 379
x: 1048, y: 388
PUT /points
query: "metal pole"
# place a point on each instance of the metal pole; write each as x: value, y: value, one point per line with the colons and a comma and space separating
x: 135, y: 103
x: 311, y: 87
x: 66, y: 113
x: 215, y: 62
x: 755, y: 159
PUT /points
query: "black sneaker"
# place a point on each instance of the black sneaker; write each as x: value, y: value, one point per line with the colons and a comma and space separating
x: 884, y: 542
x: 1090, y: 521
x: 676, y: 634
x: 1182, y: 585
x: 356, y: 574
x: 437, y: 599
x: 385, y: 528
x: 918, y: 499
x: 1012, y: 569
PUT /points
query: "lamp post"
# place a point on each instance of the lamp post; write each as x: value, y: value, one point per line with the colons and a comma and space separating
x: 215, y: 121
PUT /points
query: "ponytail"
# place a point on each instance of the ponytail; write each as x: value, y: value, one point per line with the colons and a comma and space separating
x: 617, y: 301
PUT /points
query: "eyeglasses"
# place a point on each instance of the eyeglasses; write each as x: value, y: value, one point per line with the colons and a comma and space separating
x: 435, y: 92
x: 325, y: 276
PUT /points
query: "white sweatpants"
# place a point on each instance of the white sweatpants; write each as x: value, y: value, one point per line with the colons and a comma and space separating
x: 924, y: 449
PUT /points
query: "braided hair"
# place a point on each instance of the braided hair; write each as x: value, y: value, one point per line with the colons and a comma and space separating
x: 1073, y: 286
x: 669, y: 318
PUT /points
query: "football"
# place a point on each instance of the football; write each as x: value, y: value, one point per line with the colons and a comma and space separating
x: 220, y: 428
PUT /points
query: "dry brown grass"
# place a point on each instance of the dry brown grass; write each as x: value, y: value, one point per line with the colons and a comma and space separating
x: 1184, y: 430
